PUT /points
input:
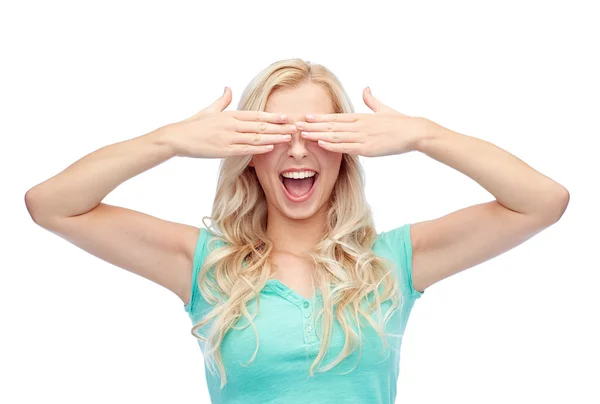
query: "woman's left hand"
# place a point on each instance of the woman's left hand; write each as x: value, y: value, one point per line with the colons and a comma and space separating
x: 384, y: 133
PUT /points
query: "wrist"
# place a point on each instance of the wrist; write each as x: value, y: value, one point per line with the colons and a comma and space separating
x: 428, y: 132
x: 163, y: 138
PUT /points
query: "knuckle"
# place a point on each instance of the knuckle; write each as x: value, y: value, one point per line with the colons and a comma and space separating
x: 232, y: 127
x: 262, y: 127
x: 229, y: 126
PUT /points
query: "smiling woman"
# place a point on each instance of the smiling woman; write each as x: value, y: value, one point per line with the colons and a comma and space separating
x: 298, y: 215
x: 290, y: 285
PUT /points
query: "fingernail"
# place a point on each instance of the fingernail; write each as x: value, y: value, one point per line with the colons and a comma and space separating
x: 299, y: 125
x: 310, y: 116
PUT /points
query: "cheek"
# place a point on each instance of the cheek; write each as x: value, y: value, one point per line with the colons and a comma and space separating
x: 264, y: 166
x: 330, y: 160
x: 263, y: 161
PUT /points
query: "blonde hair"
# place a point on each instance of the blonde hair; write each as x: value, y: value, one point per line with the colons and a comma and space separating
x: 347, y: 270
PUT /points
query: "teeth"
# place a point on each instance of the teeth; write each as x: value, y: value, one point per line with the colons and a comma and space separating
x: 298, y: 174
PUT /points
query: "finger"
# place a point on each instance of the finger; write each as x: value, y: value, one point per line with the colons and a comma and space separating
x: 375, y: 104
x: 327, y: 126
x: 349, y: 148
x: 331, y: 118
x: 222, y: 102
x: 260, y: 116
x: 242, y: 149
x: 372, y: 102
x: 335, y: 137
x: 263, y: 127
x: 262, y: 139
x: 219, y: 105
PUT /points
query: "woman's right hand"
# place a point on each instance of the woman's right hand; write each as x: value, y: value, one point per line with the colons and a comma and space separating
x: 212, y: 133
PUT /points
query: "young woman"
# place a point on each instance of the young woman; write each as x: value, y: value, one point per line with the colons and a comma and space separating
x: 293, y: 295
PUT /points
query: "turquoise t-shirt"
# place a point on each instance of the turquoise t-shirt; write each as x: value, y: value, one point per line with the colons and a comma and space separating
x: 289, y: 342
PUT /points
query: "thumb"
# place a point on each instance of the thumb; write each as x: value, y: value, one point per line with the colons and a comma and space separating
x: 222, y: 102
x: 374, y: 103
x: 219, y: 105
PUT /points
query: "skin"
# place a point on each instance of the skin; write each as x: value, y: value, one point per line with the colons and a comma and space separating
x: 70, y: 203
x: 526, y: 201
x: 296, y: 227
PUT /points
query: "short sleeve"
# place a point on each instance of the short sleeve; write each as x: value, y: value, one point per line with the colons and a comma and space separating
x: 400, y: 244
x: 195, y: 295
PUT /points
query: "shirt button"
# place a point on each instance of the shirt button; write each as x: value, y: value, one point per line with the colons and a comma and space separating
x: 306, y: 304
x: 309, y: 328
x: 307, y: 314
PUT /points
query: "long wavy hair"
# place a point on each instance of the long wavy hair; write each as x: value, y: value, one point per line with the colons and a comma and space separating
x: 347, y: 272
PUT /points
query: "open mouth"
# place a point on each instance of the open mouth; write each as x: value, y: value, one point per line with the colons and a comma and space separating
x: 300, y: 189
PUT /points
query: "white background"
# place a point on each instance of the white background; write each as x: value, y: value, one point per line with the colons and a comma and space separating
x: 76, y: 76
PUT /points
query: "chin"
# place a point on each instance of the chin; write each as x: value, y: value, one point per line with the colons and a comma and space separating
x: 299, y: 213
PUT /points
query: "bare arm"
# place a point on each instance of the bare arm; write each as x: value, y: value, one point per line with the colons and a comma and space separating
x: 69, y: 205
x: 526, y: 200
x: 84, y: 184
x: 526, y: 203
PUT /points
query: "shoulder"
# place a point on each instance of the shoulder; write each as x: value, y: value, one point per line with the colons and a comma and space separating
x: 396, y: 245
x: 197, y: 251
x: 395, y: 242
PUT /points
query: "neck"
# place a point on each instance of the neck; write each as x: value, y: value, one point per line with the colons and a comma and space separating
x: 295, y: 236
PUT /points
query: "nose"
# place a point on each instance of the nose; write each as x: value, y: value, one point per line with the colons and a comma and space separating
x: 297, y: 146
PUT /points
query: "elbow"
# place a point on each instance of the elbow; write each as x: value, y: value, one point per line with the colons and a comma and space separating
x: 32, y: 203
x: 565, y: 198
x: 557, y: 204
x: 29, y: 204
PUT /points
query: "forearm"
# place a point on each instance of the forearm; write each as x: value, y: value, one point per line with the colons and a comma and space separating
x: 513, y: 183
x: 84, y: 184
